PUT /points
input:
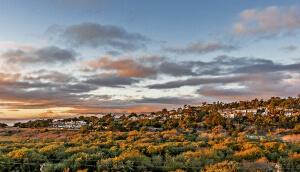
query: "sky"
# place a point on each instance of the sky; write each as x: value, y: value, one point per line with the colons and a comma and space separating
x: 61, y: 58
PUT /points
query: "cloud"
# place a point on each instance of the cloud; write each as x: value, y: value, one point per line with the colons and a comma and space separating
x: 222, y: 68
x: 241, y: 77
x: 201, y: 48
x: 176, y: 68
x: 211, y: 92
x: 46, y: 55
x: 168, y: 100
x: 144, y: 67
x: 110, y: 80
x: 41, y: 93
x: 103, y: 97
x: 269, y: 21
x: 224, y: 65
x: 266, y: 68
x: 13, y: 45
x: 86, y: 4
x: 199, y: 81
x: 289, y: 48
x: 97, y: 35
x: 229, y: 94
x: 9, y: 77
x: 81, y: 92
x: 49, y: 76
x: 276, y: 84
x: 125, y: 67
x: 35, y: 91
x: 219, y: 80
x: 48, y: 114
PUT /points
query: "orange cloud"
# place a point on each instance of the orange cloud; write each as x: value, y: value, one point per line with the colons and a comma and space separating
x: 125, y: 67
x: 270, y: 20
x: 13, y: 45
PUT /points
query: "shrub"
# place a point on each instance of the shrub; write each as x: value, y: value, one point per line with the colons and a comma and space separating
x: 223, y: 167
x: 45, y: 130
x: 296, y: 129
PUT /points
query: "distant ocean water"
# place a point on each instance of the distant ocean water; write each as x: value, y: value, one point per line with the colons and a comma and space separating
x: 11, y: 122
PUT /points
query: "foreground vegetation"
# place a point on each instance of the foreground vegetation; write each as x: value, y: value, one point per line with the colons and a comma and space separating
x: 145, y: 151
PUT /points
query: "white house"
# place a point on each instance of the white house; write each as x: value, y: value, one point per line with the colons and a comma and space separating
x: 253, y: 111
x: 133, y: 118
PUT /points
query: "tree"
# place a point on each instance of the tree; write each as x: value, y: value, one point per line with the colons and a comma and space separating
x: 131, y: 124
x: 84, y: 129
x: 132, y: 115
x: 94, y: 120
x: 228, y: 122
x: 144, y: 129
x: 123, y: 117
x: 17, y: 124
x: 3, y: 125
x: 214, y: 119
x: 106, y: 117
x: 296, y: 130
x: 218, y: 129
x: 185, y: 106
x: 239, y: 117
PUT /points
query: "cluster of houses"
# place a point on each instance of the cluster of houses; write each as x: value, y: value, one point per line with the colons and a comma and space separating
x: 227, y: 113
x: 164, y: 114
x: 231, y: 113
x: 68, y: 125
